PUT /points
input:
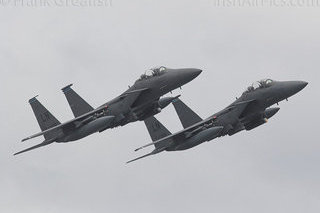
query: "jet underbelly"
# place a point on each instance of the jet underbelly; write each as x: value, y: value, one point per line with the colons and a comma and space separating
x: 88, y: 129
x: 203, y: 136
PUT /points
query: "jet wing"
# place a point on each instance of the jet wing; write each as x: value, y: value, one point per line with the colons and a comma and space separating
x: 179, y: 135
x: 69, y: 124
x: 130, y: 97
x: 241, y: 107
x: 135, y: 91
x: 244, y: 103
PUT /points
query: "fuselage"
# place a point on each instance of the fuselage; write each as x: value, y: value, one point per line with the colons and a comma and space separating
x: 146, y: 104
x: 260, y: 97
x: 247, y: 112
x: 137, y: 103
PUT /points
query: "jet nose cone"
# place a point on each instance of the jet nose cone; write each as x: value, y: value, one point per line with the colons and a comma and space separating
x: 183, y: 76
x: 178, y: 77
x: 303, y: 84
x: 297, y: 86
x: 196, y: 72
x: 191, y: 73
x: 293, y: 87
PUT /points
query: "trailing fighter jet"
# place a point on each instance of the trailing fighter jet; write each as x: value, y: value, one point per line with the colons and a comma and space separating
x: 246, y: 113
x: 139, y: 102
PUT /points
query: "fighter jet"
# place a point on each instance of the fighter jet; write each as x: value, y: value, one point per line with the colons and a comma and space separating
x: 139, y: 102
x: 249, y: 111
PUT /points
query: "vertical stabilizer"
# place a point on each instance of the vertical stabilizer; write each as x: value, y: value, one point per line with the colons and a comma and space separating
x: 186, y: 115
x: 77, y: 104
x: 45, y: 119
x: 157, y: 131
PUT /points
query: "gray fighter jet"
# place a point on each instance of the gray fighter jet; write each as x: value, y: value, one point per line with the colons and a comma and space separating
x: 246, y: 113
x: 139, y: 102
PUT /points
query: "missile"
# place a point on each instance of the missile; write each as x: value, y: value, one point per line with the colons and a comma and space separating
x: 271, y: 112
x: 154, y: 109
x: 268, y: 113
x: 164, y: 102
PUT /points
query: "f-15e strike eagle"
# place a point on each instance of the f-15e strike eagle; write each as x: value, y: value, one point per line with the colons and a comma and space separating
x: 139, y: 102
x: 246, y: 113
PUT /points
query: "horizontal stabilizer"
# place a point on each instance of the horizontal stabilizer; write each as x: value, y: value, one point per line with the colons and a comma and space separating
x: 140, y: 157
x: 156, y: 151
x: 36, y: 146
x: 186, y: 115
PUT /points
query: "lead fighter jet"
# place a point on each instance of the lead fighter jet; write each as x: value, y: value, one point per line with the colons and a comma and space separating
x: 139, y: 102
x: 246, y: 113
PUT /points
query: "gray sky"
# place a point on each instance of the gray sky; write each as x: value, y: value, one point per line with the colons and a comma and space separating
x: 102, y: 50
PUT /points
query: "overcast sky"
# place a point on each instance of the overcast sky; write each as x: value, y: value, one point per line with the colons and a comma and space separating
x: 102, y: 50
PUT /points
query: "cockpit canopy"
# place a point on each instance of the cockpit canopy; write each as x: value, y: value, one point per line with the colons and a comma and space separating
x: 157, y: 71
x: 259, y: 84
